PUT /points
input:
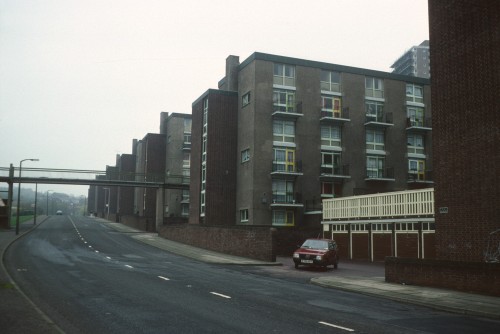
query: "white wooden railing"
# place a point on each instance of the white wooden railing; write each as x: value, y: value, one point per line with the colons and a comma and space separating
x: 410, y: 203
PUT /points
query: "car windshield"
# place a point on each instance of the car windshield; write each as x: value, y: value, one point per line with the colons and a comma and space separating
x: 315, y: 244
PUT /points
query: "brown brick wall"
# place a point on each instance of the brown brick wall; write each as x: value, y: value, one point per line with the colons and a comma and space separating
x: 407, y: 245
x: 464, y: 276
x: 465, y: 53
x: 250, y: 242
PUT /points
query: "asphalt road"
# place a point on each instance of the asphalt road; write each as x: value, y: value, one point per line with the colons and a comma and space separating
x: 89, y: 278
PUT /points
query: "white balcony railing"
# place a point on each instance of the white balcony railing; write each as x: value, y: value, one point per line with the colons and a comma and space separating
x: 411, y: 203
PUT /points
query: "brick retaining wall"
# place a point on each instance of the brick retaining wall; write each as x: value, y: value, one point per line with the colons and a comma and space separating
x: 463, y: 276
x: 251, y: 242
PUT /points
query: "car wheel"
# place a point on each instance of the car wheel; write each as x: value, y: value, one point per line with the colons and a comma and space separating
x: 335, y: 265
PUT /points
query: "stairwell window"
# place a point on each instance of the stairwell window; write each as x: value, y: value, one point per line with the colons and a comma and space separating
x: 245, y: 100
x: 245, y: 155
x: 244, y: 216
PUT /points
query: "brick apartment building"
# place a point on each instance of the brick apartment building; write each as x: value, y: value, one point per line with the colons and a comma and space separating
x: 281, y: 134
x: 465, y: 42
x: 177, y: 129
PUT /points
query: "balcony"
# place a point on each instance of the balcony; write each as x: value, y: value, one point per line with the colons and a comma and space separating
x: 286, y: 199
x: 331, y: 116
x: 289, y: 110
x: 415, y: 176
x: 186, y: 146
x: 380, y: 174
x: 379, y: 120
x: 418, y: 124
x: 334, y: 172
x: 293, y: 168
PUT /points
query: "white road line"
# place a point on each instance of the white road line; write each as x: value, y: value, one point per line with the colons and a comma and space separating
x: 164, y: 278
x: 107, y: 257
x: 339, y: 327
x: 96, y: 251
x: 128, y: 266
x: 220, y: 295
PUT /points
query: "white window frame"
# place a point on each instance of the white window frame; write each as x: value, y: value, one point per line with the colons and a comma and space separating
x: 245, y: 155
x: 374, y: 87
x: 327, y: 81
x: 284, y: 75
x: 288, y: 105
x: 412, y: 95
x: 245, y: 100
x: 244, y: 217
x: 415, y: 143
x: 331, y: 136
x: 375, y: 140
x: 283, y: 218
x: 281, y: 131
x: 376, y: 171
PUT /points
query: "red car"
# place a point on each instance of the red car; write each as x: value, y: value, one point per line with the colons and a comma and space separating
x: 317, y: 252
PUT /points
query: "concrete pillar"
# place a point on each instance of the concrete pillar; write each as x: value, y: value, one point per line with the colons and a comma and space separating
x: 159, y: 208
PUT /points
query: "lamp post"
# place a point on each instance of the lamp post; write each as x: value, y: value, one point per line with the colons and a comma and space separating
x: 106, y: 202
x: 47, y: 213
x: 19, y: 192
x: 36, y: 197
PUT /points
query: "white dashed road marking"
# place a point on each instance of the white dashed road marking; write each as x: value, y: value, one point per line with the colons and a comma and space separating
x: 336, y: 326
x: 129, y: 266
x: 164, y: 278
x: 220, y: 295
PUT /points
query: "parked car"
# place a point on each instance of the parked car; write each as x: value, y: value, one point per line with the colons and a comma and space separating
x: 59, y: 212
x: 317, y: 252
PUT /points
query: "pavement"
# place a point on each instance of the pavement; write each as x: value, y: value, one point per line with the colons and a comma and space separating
x: 19, y: 315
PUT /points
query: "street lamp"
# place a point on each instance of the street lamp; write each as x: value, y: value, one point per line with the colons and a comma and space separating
x: 47, y: 213
x: 106, y: 201
x: 19, y: 192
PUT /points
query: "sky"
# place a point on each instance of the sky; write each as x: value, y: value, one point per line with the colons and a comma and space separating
x: 79, y: 80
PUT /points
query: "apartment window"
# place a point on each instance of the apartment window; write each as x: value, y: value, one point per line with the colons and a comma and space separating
x: 284, y: 75
x: 375, y: 140
x: 244, y: 216
x: 203, y: 177
x: 284, y: 100
x: 330, y: 136
x: 202, y: 203
x: 283, y: 191
x: 283, y: 218
x: 415, y: 144
x: 329, y: 190
x: 330, y: 163
x: 416, y: 116
x: 375, y: 166
x: 245, y: 99
x: 187, y: 138
x: 245, y: 155
x: 330, y: 81
x: 416, y: 167
x: 284, y: 159
x: 185, y: 209
x: 283, y: 131
x: 374, y: 111
x: 185, y: 195
x: 187, y: 125
x: 374, y: 88
x: 186, y: 160
x: 331, y: 105
x: 414, y: 93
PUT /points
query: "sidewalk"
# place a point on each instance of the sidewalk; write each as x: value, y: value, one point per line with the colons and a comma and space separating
x: 19, y: 315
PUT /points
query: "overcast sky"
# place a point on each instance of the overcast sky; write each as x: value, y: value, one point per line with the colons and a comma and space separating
x: 80, y: 79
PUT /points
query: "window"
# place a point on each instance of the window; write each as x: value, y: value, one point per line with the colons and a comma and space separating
x: 375, y: 140
x: 331, y: 105
x: 245, y: 155
x: 416, y: 116
x: 185, y: 195
x: 245, y: 99
x: 374, y: 88
x: 284, y: 159
x: 202, y: 203
x: 283, y: 218
x: 186, y: 160
x: 185, y: 209
x: 283, y: 131
x: 414, y: 93
x: 416, y: 144
x: 284, y: 100
x: 187, y: 138
x: 375, y: 166
x: 374, y: 111
x: 284, y: 75
x: 330, y: 163
x: 330, y: 81
x: 330, y: 136
x: 283, y: 191
x: 328, y: 190
x: 416, y: 168
x: 244, y: 216
x: 187, y: 125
